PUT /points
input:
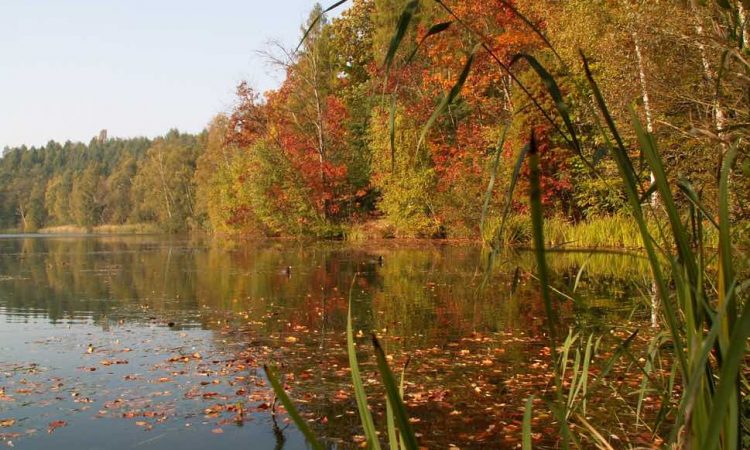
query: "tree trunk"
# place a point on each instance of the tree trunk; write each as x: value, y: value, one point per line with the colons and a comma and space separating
x: 710, y: 76
x: 320, y: 128
x: 654, y: 198
x: 743, y: 21
x: 167, y: 202
x: 24, y: 222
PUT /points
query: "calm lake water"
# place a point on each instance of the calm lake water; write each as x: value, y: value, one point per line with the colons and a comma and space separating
x: 157, y: 342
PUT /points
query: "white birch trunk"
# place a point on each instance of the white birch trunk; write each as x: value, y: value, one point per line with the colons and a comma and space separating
x: 654, y: 197
x: 743, y: 21
x: 710, y: 75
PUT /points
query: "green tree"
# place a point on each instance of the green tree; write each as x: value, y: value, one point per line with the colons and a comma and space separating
x: 164, y: 185
x: 85, y: 198
x: 406, y: 184
x: 118, y: 199
x: 57, y: 198
x: 217, y: 180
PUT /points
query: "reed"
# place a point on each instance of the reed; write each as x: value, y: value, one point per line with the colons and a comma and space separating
x: 704, y: 312
x: 705, y: 321
x: 700, y: 310
x: 398, y: 429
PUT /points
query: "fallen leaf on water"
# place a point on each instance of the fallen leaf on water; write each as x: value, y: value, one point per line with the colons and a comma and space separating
x: 7, y: 422
x: 217, y: 431
x: 55, y: 425
x: 108, y: 362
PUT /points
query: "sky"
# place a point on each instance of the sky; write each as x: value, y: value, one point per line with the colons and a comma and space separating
x: 69, y: 68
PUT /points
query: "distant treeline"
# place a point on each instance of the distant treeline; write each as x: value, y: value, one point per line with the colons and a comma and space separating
x: 114, y: 181
x: 341, y: 146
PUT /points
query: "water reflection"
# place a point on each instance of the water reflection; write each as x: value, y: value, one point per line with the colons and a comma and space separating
x: 433, y: 289
x: 287, y: 302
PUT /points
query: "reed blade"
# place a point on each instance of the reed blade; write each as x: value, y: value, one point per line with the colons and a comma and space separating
x: 316, y: 20
x: 526, y: 427
x: 359, y: 390
x: 493, y: 176
x: 399, y: 410
x: 447, y: 100
x: 291, y: 409
x: 403, y: 25
x: 435, y: 29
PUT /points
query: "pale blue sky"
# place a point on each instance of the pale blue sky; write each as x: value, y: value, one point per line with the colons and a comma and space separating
x: 69, y: 68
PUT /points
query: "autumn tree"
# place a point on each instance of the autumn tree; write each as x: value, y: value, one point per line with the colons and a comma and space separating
x: 164, y: 185
x: 118, y: 200
x: 85, y: 197
x: 219, y: 171
x: 57, y: 198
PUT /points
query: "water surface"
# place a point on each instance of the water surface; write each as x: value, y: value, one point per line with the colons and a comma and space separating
x: 157, y: 342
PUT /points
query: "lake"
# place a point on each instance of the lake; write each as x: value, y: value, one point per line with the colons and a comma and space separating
x: 149, y: 342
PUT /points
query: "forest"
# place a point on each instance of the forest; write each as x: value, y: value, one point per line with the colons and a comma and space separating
x: 607, y: 139
x: 341, y: 148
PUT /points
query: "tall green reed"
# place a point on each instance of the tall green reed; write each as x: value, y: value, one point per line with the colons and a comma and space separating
x: 400, y: 435
x: 706, y: 323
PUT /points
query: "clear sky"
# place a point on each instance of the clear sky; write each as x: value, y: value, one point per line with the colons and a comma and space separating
x: 69, y: 68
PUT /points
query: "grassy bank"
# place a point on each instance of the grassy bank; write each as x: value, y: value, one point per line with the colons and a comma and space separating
x: 610, y: 232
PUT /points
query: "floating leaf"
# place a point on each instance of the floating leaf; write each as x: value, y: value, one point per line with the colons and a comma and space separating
x: 7, y: 422
x: 55, y: 425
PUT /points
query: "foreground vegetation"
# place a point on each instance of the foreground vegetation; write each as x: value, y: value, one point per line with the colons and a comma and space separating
x: 700, y: 293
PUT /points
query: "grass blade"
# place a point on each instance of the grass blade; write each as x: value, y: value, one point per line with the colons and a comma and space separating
x: 526, y: 427
x: 316, y: 20
x: 401, y: 28
x: 627, y: 174
x: 393, y: 438
x: 509, y: 198
x: 560, y: 105
x: 399, y: 410
x: 391, y: 425
x: 649, y: 150
x: 580, y: 273
x: 392, y: 131
x: 534, y: 28
x: 401, y: 392
x: 292, y: 410
x: 488, y: 47
x: 493, y: 176
x: 435, y: 29
x: 447, y: 100
x: 537, y: 219
x: 727, y: 388
x: 602, y: 442
x: 555, y: 93
x: 725, y: 241
x: 359, y: 389
x: 687, y: 189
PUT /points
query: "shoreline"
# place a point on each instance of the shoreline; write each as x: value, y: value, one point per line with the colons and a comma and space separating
x: 598, y: 234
